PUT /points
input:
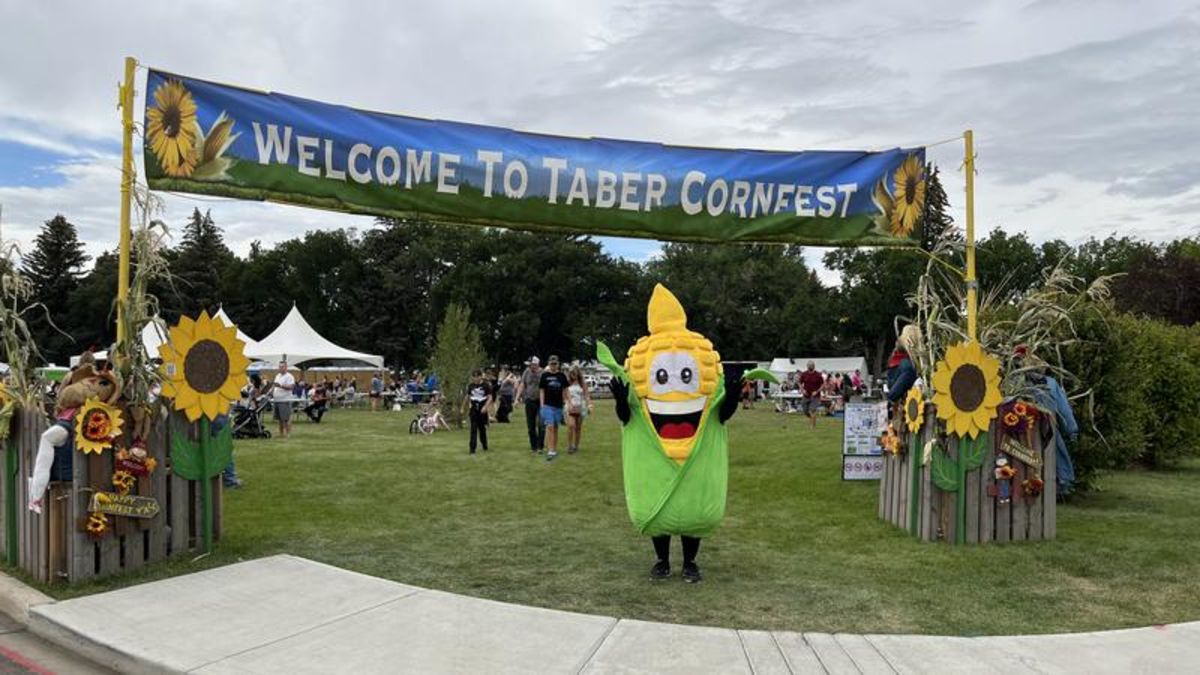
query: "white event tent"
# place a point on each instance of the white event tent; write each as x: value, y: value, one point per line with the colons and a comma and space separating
x: 296, y: 342
x: 782, y: 367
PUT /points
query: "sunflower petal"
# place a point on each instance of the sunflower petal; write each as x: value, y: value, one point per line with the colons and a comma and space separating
x: 941, y: 379
x: 193, y: 412
x: 211, y: 405
x: 955, y: 356
x: 230, y: 389
x: 186, y: 324
x: 238, y: 364
x: 185, y: 396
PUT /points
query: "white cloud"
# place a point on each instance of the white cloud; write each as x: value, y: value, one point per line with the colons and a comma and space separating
x: 1084, y: 111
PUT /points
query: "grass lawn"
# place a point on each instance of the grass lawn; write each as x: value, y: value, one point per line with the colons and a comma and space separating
x: 799, y: 549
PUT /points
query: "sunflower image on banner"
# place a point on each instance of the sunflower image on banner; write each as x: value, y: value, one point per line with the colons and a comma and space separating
x: 966, y: 392
x: 202, y: 372
x: 900, y: 202
x: 174, y: 134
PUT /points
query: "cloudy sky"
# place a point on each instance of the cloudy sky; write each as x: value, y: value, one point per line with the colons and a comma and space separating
x: 1086, y: 112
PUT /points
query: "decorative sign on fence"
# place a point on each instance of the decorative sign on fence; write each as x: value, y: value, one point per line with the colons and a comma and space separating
x: 131, y: 506
x: 863, y: 424
x: 861, y: 451
x: 1021, y: 451
x: 858, y: 467
x: 217, y: 139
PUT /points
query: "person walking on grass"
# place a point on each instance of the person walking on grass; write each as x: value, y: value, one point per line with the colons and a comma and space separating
x: 281, y: 396
x: 376, y: 390
x: 810, y: 385
x: 579, y: 404
x: 479, y: 399
x: 551, y: 388
x: 529, y: 393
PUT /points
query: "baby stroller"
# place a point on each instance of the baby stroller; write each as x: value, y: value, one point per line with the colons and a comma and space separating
x: 248, y: 418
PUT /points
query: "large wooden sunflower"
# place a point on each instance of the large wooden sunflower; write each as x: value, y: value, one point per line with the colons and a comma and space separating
x: 97, y: 425
x: 203, y: 366
x: 966, y: 385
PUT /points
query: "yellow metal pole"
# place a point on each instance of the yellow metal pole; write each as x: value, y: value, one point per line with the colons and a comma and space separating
x: 972, y: 285
x: 126, y: 104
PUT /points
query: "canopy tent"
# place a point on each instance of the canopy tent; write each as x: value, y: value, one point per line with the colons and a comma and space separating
x: 154, y: 333
x: 296, y: 342
x: 782, y: 367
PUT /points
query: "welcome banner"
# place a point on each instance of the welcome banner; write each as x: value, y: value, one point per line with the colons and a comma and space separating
x: 215, y: 139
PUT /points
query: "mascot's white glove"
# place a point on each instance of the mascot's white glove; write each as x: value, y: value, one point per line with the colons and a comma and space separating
x: 51, y: 438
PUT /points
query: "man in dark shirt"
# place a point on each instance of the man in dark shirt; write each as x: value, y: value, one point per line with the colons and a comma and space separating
x: 810, y: 383
x: 479, y: 397
x: 551, y: 388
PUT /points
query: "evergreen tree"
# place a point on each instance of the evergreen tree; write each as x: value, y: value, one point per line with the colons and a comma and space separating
x: 199, y: 266
x: 54, y: 267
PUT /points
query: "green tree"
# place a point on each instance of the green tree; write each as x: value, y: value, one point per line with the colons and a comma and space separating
x: 753, y: 301
x: 1006, y: 263
x: 198, y: 266
x: 459, y: 350
x: 93, y: 321
x: 54, y: 267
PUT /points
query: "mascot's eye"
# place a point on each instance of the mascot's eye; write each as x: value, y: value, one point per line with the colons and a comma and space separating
x: 686, y: 375
x: 661, y: 376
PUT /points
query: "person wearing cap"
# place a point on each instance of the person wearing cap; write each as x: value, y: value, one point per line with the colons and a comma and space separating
x: 551, y: 387
x: 528, y: 393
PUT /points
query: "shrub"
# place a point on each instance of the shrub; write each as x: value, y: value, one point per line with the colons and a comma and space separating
x: 1144, y: 406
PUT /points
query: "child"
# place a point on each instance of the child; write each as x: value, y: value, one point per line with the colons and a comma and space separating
x: 479, y: 398
x: 579, y: 404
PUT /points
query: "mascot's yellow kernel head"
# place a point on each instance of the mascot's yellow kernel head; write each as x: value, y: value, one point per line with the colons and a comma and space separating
x: 675, y: 373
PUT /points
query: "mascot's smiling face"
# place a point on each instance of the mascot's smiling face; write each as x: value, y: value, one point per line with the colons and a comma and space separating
x: 674, y: 372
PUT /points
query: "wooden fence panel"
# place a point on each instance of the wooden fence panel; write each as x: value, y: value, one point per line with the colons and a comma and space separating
x: 1050, y: 494
x: 1020, y: 511
x: 987, y: 504
x: 54, y: 546
x: 157, y: 539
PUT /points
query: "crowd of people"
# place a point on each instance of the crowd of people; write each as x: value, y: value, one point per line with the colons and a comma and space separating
x: 817, y: 389
x: 551, y: 397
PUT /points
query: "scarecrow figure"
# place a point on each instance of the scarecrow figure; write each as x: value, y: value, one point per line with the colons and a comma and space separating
x: 673, y: 400
x: 56, y: 448
x: 1004, y: 474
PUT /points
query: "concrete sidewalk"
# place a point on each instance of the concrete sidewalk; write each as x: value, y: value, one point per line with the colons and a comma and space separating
x: 285, y: 614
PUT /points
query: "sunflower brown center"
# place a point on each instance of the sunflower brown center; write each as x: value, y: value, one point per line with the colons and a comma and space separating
x: 910, y: 189
x: 206, y: 366
x: 171, y: 121
x: 911, y: 410
x: 967, y: 387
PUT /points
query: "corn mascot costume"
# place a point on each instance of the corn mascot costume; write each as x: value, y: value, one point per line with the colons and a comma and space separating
x: 672, y: 403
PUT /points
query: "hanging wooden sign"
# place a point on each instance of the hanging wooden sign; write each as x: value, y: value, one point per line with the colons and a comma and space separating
x: 132, y: 506
x: 1020, y: 451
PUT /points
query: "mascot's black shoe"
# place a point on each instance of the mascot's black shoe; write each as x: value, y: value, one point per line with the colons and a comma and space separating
x: 661, y: 570
x: 691, y: 572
